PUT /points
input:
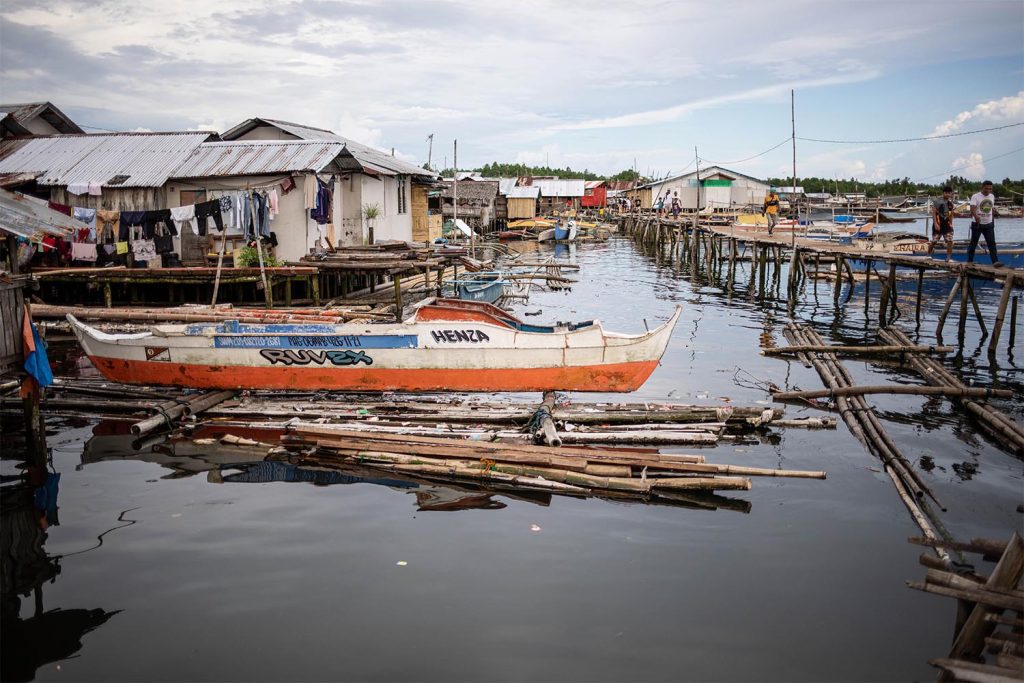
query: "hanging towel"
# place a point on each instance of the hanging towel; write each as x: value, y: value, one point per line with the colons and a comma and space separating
x: 60, y: 208
x: 185, y: 215
x: 144, y: 250
x: 164, y: 244
x: 272, y: 200
x: 122, y: 247
x: 80, y: 251
x: 36, y: 362
x: 95, y: 189
x: 287, y: 185
x: 311, y: 184
x: 78, y: 188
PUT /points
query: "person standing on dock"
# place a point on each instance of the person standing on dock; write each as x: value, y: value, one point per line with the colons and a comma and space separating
x: 771, y: 209
x: 677, y: 206
x: 983, y: 211
x: 942, y: 223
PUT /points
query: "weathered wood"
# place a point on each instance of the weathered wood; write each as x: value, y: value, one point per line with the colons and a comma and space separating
x: 890, y: 348
x: 947, y: 306
x: 1004, y: 300
x: 972, y: 672
x: 1007, y: 573
x: 892, y: 389
x: 545, y: 430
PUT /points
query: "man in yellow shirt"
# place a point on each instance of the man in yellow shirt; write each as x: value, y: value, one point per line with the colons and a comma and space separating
x: 771, y: 209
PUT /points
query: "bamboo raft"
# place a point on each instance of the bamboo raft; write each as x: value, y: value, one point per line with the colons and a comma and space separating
x: 988, y: 640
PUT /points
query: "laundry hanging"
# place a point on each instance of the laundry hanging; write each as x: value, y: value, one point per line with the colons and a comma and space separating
x: 186, y: 215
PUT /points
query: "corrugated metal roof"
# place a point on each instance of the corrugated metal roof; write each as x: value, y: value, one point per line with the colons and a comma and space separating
x: 129, y: 159
x: 256, y: 157
x: 593, y: 184
x: 559, y: 188
x: 523, y: 192
x: 506, y: 184
x: 369, y: 158
x: 32, y: 219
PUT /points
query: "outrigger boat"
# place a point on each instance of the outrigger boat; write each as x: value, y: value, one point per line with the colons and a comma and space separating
x: 444, y: 346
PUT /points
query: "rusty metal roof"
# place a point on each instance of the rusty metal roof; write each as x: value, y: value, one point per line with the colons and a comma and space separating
x: 258, y: 157
x: 127, y: 159
x: 32, y: 219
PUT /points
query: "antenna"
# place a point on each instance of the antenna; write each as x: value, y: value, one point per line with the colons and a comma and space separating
x: 430, y: 149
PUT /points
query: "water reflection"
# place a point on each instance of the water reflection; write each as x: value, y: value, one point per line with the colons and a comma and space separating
x: 249, y: 462
x: 28, y: 508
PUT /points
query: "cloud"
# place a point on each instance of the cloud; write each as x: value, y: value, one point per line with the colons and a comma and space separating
x: 1010, y: 108
x: 971, y: 167
x: 676, y: 112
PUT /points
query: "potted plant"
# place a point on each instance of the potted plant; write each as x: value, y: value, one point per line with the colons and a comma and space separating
x: 370, y: 212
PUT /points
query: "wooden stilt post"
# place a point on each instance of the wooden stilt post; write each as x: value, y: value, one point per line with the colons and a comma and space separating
x: 867, y: 286
x: 839, y: 281
x: 1013, y: 324
x: 964, y: 299
x: 920, y: 288
x: 314, y: 286
x: 108, y: 295
x: 35, y: 425
x: 398, y: 298
x: 888, y: 290
x: 948, y: 305
x: 997, y: 326
x: 977, y: 311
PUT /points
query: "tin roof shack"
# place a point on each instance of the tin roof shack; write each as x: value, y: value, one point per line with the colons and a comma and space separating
x: 720, y: 190
x: 522, y: 202
x: 35, y: 118
x: 556, y: 194
x: 476, y: 202
x: 595, y: 194
x: 369, y: 177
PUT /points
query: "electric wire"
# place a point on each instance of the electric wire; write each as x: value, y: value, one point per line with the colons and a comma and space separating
x: 921, y: 139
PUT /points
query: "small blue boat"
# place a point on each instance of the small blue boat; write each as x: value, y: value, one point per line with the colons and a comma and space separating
x: 1010, y: 255
x: 486, y: 287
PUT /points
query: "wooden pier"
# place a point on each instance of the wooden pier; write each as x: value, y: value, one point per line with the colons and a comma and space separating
x: 721, y: 247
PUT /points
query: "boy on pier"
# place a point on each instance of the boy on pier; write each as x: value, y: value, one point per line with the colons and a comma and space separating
x: 942, y: 223
x: 983, y: 206
x: 771, y: 209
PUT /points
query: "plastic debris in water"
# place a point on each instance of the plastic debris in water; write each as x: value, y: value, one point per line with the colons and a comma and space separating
x: 534, y: 527
x: 401, y: 563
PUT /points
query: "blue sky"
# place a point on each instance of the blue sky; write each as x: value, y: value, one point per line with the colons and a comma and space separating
x: 590, y: 85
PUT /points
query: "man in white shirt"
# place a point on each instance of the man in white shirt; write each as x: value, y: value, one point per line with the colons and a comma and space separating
x: 983, y: 206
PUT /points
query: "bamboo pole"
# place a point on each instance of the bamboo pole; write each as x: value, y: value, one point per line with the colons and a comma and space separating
x: 977, y: 311
x: 855, y: 350
x: 892, y: 389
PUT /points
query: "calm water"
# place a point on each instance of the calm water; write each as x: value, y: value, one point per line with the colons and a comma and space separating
x: 206, y: 570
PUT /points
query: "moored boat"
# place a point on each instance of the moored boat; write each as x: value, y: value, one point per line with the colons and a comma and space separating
x: 444, y: 351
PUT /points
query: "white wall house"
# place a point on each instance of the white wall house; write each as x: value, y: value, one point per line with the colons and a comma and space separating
x: 720, y: 189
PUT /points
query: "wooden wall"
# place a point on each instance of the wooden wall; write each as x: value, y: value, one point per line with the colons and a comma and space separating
x: 521, y: 207
x: 12, y: 310
x: 420, y: 226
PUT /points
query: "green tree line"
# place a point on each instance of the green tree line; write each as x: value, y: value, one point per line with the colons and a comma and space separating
x: 1004, y: 189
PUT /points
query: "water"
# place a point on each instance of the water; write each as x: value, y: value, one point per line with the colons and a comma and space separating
x: 206, y: 578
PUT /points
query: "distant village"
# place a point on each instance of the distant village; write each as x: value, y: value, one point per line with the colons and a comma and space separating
x: 320, y: 188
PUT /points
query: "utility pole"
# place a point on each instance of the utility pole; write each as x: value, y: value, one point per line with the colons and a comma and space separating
x: 696, y: 215
x: 430, y: 149
x: 792, y: 119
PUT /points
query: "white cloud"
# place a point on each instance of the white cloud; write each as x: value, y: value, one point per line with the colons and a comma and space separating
x: 971, y: 167
x: 1009, y: 108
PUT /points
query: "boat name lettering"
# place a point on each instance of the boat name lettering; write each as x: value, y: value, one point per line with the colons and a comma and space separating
x: 475, y: 336
x: 296, y: 341
x: 305, y: 357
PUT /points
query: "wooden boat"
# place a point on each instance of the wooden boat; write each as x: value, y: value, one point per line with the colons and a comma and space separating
x: 546, y: 235
x: 452, y: 347
x: 487, y: 287
x: 566, y: 232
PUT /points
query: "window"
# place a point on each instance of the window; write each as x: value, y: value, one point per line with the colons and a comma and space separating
x: 403, y: 203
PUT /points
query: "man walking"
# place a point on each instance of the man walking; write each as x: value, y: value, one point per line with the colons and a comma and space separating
x: 983, y: 211
x: 942, y: 223
x: 771, y: 209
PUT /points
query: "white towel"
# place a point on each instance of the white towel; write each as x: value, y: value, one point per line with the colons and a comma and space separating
x: 183, y: 215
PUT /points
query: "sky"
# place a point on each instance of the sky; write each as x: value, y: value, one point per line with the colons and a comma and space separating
x: 596, y: 85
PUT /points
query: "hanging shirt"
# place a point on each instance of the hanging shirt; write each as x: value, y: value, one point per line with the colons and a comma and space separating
x: 311, y: 186
x: 272, y: 200
x: 87, y: 216
x: 185, y: 215
x: 107, y: 221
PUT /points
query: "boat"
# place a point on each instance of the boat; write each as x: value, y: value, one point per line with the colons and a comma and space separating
x: 546, y: 235
x: 894, y: 243
x: 442, y: 351
x: 1010, y: 255
x: 515, y: 235
x: 566, y: 233
x: 487, y: 287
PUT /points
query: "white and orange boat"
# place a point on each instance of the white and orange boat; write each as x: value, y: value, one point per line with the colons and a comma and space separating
x: 444, y: 346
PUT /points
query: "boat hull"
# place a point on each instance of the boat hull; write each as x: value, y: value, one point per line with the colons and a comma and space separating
x: 615, y: 377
